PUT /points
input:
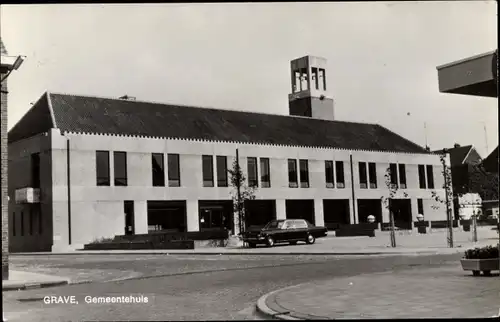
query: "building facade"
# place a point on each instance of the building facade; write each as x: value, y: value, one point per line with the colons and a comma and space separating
x: 84, y: 168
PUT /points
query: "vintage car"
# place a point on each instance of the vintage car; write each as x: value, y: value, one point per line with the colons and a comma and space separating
x: 284, y: 231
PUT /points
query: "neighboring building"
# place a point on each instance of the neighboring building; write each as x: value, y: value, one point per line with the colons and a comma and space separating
x: 86, y: 167
x: 491, y: 209
x: 478, y: 76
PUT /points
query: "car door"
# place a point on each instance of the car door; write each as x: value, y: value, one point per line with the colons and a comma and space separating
x: 284, y: 234
x: 301, y: 230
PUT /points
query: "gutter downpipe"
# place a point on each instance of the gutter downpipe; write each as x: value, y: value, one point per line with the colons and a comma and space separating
x: 352, y: 188
x: 68, y: 174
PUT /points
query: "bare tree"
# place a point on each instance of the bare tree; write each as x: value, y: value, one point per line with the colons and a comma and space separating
x: 241, y: 192
x: 386, y: 199
x: 447, y: 201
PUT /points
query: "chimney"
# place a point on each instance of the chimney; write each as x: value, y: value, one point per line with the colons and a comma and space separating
x: 456, y: 145
x: 127, y: 98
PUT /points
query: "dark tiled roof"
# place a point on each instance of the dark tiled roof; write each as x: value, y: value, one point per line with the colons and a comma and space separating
x: 491, y: 161
x: 123, y: 117
x: 458, y: 154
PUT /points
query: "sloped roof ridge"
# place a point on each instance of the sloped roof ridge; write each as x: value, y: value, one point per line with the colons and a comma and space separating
x: 202, y: 107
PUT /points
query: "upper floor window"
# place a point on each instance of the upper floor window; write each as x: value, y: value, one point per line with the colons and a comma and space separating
x: 372, y: 172
x: 292, y: 173
x: 158, y: 166
x: 420, y: 207
x: 430, y: 177
x: 339, y: 169
x: 35, y: 170
x: 363, y: 179
x: 329, y: 174
x: 221, y: 171
x: 120, y: 167
x: 174, y: 171
x: 402, y: 176
x: 208, y: 170
x: 394, y: 174
x: 421, y: 176
x: 304, y: 173
x: 265, y: 173
x: 102, y: 168
x: 253, y: 174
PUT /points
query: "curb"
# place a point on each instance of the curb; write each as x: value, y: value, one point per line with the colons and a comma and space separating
x: 430, y: 252
x: 30, y: 286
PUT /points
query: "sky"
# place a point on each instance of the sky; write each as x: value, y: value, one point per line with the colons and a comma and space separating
x: 382, y: 58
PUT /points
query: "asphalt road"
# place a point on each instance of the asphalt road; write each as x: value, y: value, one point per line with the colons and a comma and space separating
x: 187, y: 287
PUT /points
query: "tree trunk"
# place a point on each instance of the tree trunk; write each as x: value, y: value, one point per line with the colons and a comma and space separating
x: 393, y: 229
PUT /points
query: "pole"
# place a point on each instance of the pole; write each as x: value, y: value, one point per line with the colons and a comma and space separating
x: 238, y: 189
x: 393, y: 229
x: 485, y: 137
x: 425, y: 133
x: 474, y: 227
x: 448, y: 212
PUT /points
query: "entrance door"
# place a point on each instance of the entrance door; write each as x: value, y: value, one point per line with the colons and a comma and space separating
x: 128, y: 208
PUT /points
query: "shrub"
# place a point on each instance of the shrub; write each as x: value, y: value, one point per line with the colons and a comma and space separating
x: 487, y: 252
x: 101, y: 240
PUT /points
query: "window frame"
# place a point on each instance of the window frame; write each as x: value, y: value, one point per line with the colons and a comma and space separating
x: 304, y: 173
x: 173, y: 170
x: 103, y: 180
x: 265, y: 172
x: 372, y: 177
x: 329, y: 174
x: 402, y: 176
x: 207, y: 169
x: 430, y: 176
x: 340, y: 175
x: 363, y: 174
x: 122, y: 180
x: 293, y: 177
x: 253, y: 177
x: 422, y: 178
x: 158, y: 175
x: 222, y: 177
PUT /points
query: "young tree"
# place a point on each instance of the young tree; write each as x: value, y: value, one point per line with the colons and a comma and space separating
x: 241, y: 192
x: 386, y: 200
x: 448, y: 192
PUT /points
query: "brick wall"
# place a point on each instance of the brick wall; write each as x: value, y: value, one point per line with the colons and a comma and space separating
x: 4, y: 163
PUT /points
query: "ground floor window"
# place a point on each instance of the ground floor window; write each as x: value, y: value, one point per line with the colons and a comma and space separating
x: 169, y: 216
x: 215, y: 215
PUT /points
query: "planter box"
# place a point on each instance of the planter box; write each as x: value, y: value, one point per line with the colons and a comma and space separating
x: 478, y: 265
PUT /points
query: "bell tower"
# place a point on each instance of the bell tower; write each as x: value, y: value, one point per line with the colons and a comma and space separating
x: 309, y: 95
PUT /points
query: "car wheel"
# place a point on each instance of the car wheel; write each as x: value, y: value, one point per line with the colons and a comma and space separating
x: 252, y: 245
x: 270, y: 242
x: 310, y: 239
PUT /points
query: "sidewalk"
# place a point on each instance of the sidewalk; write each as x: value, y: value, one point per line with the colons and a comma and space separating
x: 431, y: 292
x: 20, y: 280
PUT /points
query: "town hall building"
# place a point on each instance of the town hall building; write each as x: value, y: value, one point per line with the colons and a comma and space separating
x: 83, y: 168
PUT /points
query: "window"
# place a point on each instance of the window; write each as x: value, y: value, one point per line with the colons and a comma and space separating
x: 158, y: 162
x: 430, y: 177
x: 363, y: 179
x: 252, y: 172
x: 174, y: 172
x: 120, y: 165
x: 35, y: 170
x: 402, y: 176
x: 339, y: 169
x: 394, y: 174
x: 221, y: 171
x: 22, y: 223
x: 420, y: 206
x: 13, y: 224
x: 329, y: 176
x: 421, y: 176
x: 372, y: 173
x: 102, y: 168
x: 208, y: 170
x: 292, y: 173
x: 299, y: 224
x: 304, y: 173
x: 265, y: 173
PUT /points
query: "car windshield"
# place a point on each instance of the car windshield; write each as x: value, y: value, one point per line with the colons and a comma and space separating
x: 275, y: 224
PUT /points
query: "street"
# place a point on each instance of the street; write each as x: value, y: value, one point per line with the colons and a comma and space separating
x: 184, y: 287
